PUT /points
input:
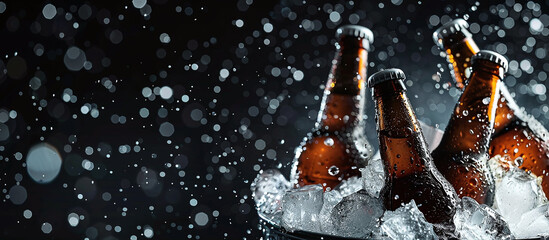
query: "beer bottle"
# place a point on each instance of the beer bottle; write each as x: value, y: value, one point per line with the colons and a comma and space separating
x: 336, y: 148
x: 457, y: 42
x: 411, y: 173
x: 517, y: 134
x: 463, y: 151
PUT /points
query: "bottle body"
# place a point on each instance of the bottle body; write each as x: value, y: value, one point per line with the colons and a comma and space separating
x: 328, y: 157
x: 418, y: 179
x: 411, y: 173
x: 527, y: 139
x: 463, y: 152
x: 516, y: 133
x: 337, y: 148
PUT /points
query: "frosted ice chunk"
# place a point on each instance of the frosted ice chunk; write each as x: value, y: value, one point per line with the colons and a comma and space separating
x: 407, y: 222
x: 357, y: 215
x: 332, y: 198
x: 268, y: 189
x: 301, y: 208
x: 373, y: 176
x: 499, y: 166
x: 349, y: 186
x: 518, y: 193
x: 534, y: 223
x: 478, y: 221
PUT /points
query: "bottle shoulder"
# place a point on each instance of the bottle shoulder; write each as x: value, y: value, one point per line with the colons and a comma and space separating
x: 329, y: 138
x: 529, y: 124
x: 336, y: 143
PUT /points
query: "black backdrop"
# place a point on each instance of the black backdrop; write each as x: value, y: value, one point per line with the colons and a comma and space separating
x: 246, y: 80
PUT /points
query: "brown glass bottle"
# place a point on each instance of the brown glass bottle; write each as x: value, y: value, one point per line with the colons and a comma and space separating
x: 457, y: 42
x: 463, y: 151
x: 337, y: 148
x: 517, y: 134
x: 411, y: 173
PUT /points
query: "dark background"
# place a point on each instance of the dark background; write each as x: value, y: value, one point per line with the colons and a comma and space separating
x: 238, y: 105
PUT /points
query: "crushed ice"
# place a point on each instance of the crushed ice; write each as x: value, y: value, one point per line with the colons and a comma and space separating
x: 355, y: 209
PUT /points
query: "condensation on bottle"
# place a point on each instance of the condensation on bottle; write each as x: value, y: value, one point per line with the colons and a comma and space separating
x: 337, y: 147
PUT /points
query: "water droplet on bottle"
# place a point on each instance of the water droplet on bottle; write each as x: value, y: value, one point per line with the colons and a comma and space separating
x: 518, y: 162
x: 465, y: 112
x: 329, y: 142
x: 333, y: 170
x: 486, y: 100
x: 473, y: 182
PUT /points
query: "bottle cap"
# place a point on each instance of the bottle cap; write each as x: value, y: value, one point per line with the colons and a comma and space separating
x: 492, y: 57
x: 356, y: 31
x: 386, y: 75
x: 454, y: 26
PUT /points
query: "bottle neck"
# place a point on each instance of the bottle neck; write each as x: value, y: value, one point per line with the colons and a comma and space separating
x: 402, y: 145
x: 508, y: 111
x: 471, y: 125
x: 459, y: 51
x: 458, y: 54
x: 343, y: 100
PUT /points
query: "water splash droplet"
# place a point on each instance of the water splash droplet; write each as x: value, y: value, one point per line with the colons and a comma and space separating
x: 329, y: 142
x: 333, y: 170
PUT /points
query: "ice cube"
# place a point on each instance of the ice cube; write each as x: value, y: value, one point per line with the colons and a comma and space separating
x: 349, y: 186
x: 518, y: 193
x: 268, y: 189
x: 478, y: 221
x: 332, y: 198
x: 534, y: 223
x: 373, y: 176
x: 356, y: 215
x: 499, y: 166
x: 301, y: 208
x: 407, y: 222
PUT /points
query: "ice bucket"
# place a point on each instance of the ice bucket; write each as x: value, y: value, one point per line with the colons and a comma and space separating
x: 271, y: 231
